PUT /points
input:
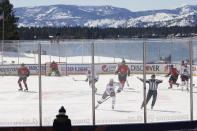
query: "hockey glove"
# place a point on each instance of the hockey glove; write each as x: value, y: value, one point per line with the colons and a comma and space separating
x: 167, y: 75
x: 27, y: 75
x: 116, y: 72
x: 119, y: 90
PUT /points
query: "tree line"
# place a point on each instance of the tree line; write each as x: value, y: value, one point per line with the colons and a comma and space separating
x: 26, y: 33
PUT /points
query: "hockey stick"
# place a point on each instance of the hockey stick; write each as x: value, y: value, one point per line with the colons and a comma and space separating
x: 161, y: 75
x: 77, y: 79
x: 102, y: 102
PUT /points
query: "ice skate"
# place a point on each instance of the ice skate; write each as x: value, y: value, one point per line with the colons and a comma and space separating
x: 113, y: 107
x: 21, y: 89
x: 26, y: 90
x: 99, y: 102
x: 96, y: 106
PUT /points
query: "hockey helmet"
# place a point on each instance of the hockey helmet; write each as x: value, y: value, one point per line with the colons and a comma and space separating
x: 123, y: 61
x: 111, y: 81
x: 89, y: 71
x: 22, y: 65
x: 153, y: 76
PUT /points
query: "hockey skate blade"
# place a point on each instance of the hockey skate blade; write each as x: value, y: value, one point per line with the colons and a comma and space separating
x: 28, y: 91
x: 96, y: 106
x: 20, y: 90
x: 31, y: 91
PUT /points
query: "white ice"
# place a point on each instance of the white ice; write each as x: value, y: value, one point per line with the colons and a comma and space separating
x: 22, y: 108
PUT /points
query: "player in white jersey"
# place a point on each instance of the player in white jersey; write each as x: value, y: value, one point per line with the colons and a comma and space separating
x: 185, y: 74
x: 89, y: 78
x: 110, y: 92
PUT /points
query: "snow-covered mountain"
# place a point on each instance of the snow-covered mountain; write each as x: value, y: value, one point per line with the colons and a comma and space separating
x: 104, y: 16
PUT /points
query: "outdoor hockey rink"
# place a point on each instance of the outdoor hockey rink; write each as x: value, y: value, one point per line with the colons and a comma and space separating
x: 22, y: 108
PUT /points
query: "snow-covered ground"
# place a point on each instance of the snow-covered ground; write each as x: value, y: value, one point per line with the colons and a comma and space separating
x: 22, y: 108
x: 12, y: 58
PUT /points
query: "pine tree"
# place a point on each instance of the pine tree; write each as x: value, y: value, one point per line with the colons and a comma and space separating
x: 10, y: 27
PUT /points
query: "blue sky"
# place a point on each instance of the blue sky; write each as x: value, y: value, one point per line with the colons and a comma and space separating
x: 133, y: 5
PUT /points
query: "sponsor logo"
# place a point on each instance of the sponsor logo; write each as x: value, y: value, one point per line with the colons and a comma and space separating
x: 108, y: 68
x: 10, y: 70
x: 70, y: 68
x: 104, y: 68
x: 77, y: 69
x: 81, y: 69
x: 154, y: 68
x: 35, y: 69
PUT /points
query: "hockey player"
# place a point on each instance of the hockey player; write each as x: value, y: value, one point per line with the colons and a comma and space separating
x: 182, y: 63
x: 110, y: 92
x: 123, y: 71
x: 54, y: 68
x: 89, y: 78
x: 152, y: 91
x: 173, y: 76
x: 185, y: 74
x: 23, y: 73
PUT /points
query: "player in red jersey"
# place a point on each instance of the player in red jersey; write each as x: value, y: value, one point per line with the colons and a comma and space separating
x: 23, y: 73
x: 54, y: 68
x: 174, y: 76
x: 122, y: 70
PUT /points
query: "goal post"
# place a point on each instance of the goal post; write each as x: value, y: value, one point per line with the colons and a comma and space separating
x: 62, y: 68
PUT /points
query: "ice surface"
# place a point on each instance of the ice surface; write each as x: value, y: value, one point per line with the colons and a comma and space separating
x: 22, y: 108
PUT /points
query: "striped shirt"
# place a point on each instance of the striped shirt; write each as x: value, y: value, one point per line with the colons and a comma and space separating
x: 153, y: 84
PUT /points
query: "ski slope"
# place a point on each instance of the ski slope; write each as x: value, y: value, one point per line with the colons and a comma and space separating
x: 22, y: 108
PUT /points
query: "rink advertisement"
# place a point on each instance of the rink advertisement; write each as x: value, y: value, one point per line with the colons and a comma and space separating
x: 12, y: 69
x: 138, y: 68
x: 150, y: 68
x: 101, y: 68
x: 134, y: 68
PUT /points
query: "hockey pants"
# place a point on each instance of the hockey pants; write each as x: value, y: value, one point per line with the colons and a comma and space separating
x: 150, y: 94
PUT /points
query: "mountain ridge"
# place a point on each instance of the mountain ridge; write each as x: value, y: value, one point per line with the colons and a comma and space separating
x: 104, y: 16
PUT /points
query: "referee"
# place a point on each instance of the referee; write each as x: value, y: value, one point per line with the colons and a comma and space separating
x: 153, y: 85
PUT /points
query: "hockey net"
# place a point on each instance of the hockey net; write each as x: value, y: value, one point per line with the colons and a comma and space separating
x: 61, y: 67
